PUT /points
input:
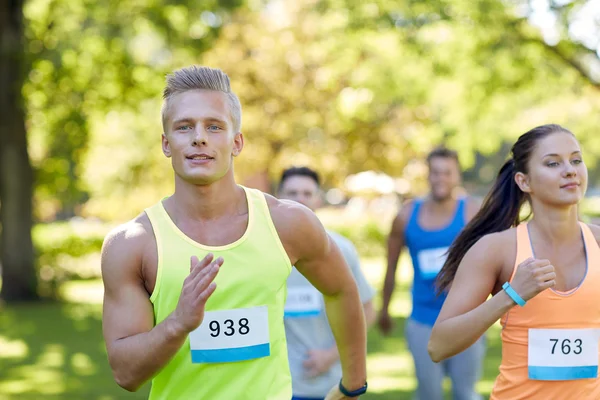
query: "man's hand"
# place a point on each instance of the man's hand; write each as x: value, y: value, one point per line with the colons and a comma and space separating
x: 197, y: 288
x: 385, y: 322
x: 320, y: 361
x: 335, y: 394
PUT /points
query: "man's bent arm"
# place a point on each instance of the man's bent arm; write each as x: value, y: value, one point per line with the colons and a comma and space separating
x: 370, y: 318
x: 322, y: 263
x: 395, y: 243
x: 137, y: 350
x: 349, y: 329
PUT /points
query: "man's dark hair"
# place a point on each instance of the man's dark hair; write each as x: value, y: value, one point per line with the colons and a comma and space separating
x: 299, y: 171
x: 442, y: 152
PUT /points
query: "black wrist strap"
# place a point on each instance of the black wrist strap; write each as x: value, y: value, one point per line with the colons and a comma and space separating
x: 354, y: 393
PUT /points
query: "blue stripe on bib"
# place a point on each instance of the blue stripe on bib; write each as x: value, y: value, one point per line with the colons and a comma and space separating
x: 562, y: 373
x: 231, y: 355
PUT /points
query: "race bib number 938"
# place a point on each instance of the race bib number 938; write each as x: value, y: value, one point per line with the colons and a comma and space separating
x: 231, y: 335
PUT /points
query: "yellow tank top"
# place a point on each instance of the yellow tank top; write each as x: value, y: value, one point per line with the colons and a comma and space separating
x: 239, y: 351
x: 550, y: 346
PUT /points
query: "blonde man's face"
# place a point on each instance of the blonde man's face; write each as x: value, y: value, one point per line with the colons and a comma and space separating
x: 199, y: 136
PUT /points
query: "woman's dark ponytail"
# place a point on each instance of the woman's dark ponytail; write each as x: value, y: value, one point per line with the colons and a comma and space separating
x: 500, y: 210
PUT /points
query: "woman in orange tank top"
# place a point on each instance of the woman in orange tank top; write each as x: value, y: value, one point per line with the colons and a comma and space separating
x: 543, y: 275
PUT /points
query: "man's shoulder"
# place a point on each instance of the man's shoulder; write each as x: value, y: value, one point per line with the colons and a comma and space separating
x: 405, y: 213
x: 288, y: 211
x: 288, y: 214
x: 408, y: 206
x: 299, y: 229
x: 471, y: 200
x: 472, y: 205
x: 125, y: 251
x: 130, y: 236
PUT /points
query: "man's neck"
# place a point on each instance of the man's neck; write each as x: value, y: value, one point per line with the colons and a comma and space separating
x: 446, y: 205
x: 205, y: 202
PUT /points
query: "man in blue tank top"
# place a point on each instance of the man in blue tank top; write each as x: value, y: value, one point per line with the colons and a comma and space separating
x: 427, y: 227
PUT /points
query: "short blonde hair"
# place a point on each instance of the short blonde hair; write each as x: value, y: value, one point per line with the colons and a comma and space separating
x: 201, y: 78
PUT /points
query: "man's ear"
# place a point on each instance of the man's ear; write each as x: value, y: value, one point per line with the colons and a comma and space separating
x: 166, y: 147
x: 238, y: 144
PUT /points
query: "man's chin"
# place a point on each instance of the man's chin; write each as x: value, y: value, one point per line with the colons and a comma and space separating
x: 441, y: 196
x: 199, y: 179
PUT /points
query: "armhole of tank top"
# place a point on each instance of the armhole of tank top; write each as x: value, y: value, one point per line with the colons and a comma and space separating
x: 523, y: 247
x: 413, y: 219
x: 262, y: 200
x: 591, y: 247
x: 154, y: 221
x: 588, y: 236
x: 518, y: 254
x: 462, y: 210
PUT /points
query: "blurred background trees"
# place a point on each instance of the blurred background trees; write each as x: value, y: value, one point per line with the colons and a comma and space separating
x: 65, y: 65
x: 346, y: 86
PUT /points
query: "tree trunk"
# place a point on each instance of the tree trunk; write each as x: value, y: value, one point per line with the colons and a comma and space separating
x: 19, y: 280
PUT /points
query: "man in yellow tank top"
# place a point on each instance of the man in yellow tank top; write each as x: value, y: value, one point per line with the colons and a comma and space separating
x: 195, y: 285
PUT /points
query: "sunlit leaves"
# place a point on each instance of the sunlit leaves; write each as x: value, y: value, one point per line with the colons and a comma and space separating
x: 88, y: 58
x: 343, y: 85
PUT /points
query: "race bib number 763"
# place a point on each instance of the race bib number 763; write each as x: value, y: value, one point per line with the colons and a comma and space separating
x: 563, y: 354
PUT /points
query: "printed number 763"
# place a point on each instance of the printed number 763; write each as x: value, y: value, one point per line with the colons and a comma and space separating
x: 565, y: 346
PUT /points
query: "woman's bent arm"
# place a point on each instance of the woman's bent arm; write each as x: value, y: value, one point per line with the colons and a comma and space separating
x: 466, y: 314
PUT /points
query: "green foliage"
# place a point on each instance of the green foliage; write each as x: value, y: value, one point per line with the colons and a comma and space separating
x: 590, y: 210
x: 67, y: 250
x: 88, y: 58
x: 56, y: 351
x: 345, y: 86
x: 368, y: 236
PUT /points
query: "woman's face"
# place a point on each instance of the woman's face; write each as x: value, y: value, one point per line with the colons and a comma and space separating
x: 556, y: 174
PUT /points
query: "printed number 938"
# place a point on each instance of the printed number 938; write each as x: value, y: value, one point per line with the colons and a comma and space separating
x: 229, y: 327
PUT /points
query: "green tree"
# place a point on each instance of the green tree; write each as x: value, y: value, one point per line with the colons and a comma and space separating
x: 16, y: 176
x: 81, y: 60
x: 349, y: 86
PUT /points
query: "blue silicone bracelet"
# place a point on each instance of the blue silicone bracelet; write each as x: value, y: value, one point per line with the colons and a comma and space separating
x: 512, y: 294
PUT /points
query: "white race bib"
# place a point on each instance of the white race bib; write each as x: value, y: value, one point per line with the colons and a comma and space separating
x: 231, y: 335
x: 303, y: 302
x: 563, y: 354
x: 431, y: 261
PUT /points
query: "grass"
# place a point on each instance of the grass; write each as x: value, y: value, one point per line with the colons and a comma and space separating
x: 55, y: 350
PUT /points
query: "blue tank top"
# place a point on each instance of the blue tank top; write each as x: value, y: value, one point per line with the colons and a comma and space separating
x: 428, y: 252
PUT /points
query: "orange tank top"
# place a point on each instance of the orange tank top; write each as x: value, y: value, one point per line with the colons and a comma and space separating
x: 550, y: 346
